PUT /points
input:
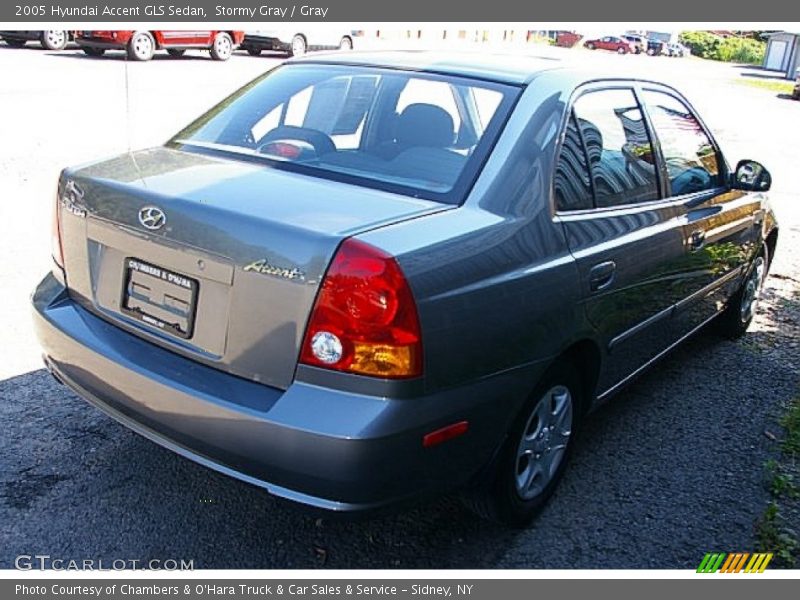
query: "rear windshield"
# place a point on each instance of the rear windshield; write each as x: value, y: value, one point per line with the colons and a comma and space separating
x: 413, y: 133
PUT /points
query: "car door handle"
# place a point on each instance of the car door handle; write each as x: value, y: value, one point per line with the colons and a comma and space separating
x: 697, y: 240
x: 602, y: 275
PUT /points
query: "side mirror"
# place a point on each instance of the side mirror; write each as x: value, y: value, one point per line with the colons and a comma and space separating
x: 751, y: 176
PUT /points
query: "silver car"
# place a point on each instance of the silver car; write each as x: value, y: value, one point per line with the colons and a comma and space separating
x: 367, y: 277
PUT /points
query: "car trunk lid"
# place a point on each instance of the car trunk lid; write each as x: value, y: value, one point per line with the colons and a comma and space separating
x: 225, y: 262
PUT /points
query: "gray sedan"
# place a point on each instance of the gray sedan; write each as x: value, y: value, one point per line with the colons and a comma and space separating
x: 367, y: 277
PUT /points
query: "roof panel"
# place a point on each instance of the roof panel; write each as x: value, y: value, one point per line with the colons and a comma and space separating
x: 506, y: 68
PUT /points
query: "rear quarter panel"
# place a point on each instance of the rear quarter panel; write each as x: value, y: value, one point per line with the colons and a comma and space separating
x: 495, y: 284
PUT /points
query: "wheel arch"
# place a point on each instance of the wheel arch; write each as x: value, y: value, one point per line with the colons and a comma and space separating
x: 585, y: 355
x: 158, y: 38
x: 771, y: 242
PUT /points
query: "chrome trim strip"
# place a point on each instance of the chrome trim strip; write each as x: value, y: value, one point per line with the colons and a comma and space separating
x: 614, y: 388
x: 704, y: 291
x: 662, y: 314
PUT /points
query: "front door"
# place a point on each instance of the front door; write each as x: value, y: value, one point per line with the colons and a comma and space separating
x: 722, y: 225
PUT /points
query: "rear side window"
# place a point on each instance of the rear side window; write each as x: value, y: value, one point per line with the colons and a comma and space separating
x: 572, y: 187
x: 618, y: 147
x: 690, y: 157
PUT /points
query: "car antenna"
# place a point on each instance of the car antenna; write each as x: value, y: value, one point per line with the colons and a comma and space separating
x: 128, y: 128
x: 127, y: 106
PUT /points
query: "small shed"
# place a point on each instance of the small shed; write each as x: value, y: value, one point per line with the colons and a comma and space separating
x: 783, y: 53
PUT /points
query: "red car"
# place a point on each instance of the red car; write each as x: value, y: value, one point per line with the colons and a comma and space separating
x: 613, y: 43
x: 141, y: 45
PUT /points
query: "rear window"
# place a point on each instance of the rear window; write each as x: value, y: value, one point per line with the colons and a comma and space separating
x: 413, y: 133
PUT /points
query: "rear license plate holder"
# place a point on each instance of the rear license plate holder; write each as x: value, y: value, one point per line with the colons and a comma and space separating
x: 163, y: 299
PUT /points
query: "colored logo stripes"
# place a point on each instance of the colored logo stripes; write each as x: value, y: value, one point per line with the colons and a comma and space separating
x: 735, y: 562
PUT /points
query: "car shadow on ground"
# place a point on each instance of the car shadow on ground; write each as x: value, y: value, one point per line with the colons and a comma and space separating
x: 651, y: 485
x: 121, y: 56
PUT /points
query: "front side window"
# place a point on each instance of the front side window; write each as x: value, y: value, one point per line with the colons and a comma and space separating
x: 618, y: 147
x: 690, y: 157
x: 419, y: 134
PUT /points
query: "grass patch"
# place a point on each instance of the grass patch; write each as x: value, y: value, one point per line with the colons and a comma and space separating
x: 775, y: 531
x: 779, y: 482
x: 790, y: 422
x: 772, y: 85
x: 775, y: 536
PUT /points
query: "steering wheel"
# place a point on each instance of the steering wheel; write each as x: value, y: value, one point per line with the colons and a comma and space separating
x: 319, y: 141
x: 694, y: 179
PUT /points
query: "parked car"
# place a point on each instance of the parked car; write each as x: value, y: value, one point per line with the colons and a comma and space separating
x: 796, y: 92
x: 676, y: 50
x: 142, y: 45
x: 356, y: 280
x: 655, y: 47
x: 49, y: 40
x: 296, y: 43
x: 639, y: 43
x: 567, y: 39
x: 611, y: 42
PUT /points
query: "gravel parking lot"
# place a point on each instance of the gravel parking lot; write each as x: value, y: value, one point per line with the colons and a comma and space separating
x: 669, y: 470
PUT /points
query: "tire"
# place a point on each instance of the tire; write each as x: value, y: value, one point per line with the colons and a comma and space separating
x: 590, y: 46
x: 222, y: 47
x: 621, y: 51
x: 141, y: 46
x: 651, y: 52
x: 176, y: 52
x: 54, y: 40
x: 346, y: 43
x: 299, y: 45
x: 93, y: 52
x: 15, y: 43
x: 737, y: 316
x: 513, y: 494
x: 254, y: 51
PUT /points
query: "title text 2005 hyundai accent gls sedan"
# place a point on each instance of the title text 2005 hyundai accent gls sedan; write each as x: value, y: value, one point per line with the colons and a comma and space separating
x: 364, y: 278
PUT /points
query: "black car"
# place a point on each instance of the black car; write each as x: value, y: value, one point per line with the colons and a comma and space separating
x: 50, y: 40
x: 655, y: 47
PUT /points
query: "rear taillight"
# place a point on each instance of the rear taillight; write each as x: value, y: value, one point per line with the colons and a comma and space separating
x: 55, y: 234
x: 365, y: 319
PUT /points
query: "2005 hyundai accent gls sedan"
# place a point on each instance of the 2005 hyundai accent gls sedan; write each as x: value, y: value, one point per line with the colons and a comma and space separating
x: 368, y: 277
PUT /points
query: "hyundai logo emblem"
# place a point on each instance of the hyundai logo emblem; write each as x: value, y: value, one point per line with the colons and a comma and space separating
x: 152, y: 217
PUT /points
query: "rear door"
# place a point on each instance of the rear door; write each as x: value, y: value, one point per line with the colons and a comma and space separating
x: 722, y: 225
x: 626, y: 239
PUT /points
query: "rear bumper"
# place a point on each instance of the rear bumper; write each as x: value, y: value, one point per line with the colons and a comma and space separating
x: 318, y: 446
x: 260, y: 42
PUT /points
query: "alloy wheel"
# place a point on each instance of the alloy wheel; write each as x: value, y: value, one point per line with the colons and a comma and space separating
x: 544, y: 440
x: 752, y: 290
